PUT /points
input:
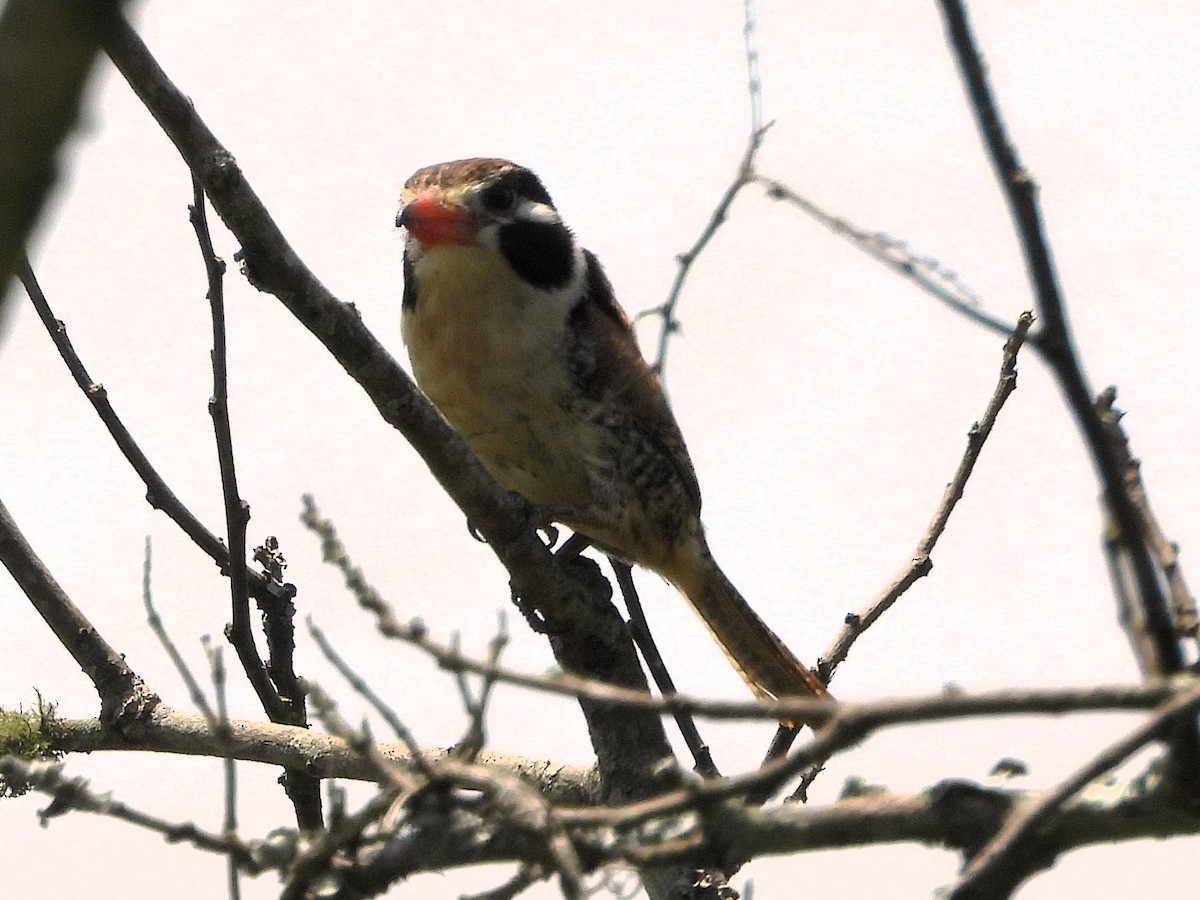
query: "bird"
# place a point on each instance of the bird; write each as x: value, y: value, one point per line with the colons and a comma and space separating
x: 515, y: 335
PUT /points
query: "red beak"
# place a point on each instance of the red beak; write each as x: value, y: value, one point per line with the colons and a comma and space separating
x: 432, y: 221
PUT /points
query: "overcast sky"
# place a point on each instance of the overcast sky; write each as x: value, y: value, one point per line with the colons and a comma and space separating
x: 825, y: 402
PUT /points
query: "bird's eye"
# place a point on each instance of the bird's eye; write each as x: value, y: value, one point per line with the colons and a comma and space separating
x: 498, y: 198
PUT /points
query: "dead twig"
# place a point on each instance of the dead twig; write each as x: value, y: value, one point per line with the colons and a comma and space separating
x: 921, y: 563
x: 744, y: 175
x: 158, y: 494
x: 926, y: 272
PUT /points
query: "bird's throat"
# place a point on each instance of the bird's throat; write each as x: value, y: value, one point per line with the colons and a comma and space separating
x: 487, y: 350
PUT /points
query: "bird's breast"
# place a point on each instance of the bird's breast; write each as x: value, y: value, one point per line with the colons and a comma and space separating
x: 490, y: 353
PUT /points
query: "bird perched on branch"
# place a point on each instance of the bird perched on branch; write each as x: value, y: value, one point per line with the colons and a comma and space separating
x: 516, y: 337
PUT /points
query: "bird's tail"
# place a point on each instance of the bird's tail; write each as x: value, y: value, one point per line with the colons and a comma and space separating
x: 755, y: 651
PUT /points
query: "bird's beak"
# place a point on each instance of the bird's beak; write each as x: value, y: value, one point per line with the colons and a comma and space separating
x: 432, y: 220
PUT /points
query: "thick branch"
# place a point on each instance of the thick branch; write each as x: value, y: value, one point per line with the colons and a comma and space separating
x: 1129, y: 531
x: 171, y: 731
x: 124, y: 698
x: 1055, y: 342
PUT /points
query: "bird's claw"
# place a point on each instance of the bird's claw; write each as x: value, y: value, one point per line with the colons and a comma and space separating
x: 533, y: 617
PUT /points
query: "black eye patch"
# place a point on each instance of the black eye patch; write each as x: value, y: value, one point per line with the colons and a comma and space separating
x: 498, y: 197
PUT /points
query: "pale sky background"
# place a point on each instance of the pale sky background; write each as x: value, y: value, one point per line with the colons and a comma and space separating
x: 825, y: 402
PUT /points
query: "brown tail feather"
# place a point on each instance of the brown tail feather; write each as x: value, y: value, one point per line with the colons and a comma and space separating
x: 756, y: 652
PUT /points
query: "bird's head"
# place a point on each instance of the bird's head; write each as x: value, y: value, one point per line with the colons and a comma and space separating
x: 495, y: 205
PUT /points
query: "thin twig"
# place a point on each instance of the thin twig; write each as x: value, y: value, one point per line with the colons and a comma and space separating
x: 921, y: 563
x: 640, y: 629
x: 568, y: 685
x: 75, y: 794
x: 925, y: 272
x: 362, y: 742
x: 744, y: 175
x: 216, y: 665
x: 852, y: 724
x: 154, y: 620
x: 475, y: 739
x: 365, y: 691
x: 274, y: 683
x: 754, y: 80
x: 158, y: 494
x: 237, y: 511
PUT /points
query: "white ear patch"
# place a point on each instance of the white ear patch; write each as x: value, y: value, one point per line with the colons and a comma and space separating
x: 532, y: 211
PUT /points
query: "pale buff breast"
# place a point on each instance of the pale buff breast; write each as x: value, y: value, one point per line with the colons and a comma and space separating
x: 488, y: 352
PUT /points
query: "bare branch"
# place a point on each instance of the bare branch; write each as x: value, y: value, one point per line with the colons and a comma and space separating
x: 568, y: 685
x: 745, y: 174
x: 124, y: 698
x: 1012, y: 855
x: 75, y: 794
x: 852, y: 724
x: 237, y: 511
x: 754, y: 80
x: 229, y: 826
x: 1057, y: 347
x: 171, y: 731
x: 275, y: 684
x: 925, y: 272
x: 326, y: 756
x: 218, y: 721
x: 158, y: 494
x: 640, y: 628
x: 857, y: 623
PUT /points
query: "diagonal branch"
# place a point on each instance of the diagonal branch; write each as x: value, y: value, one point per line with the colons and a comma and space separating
x: 158, y: 494
x: 925, y: 272
x: 124, y: 697
x: 921, y: 563
x: 1011, y: 856
x: 1057, y: 348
